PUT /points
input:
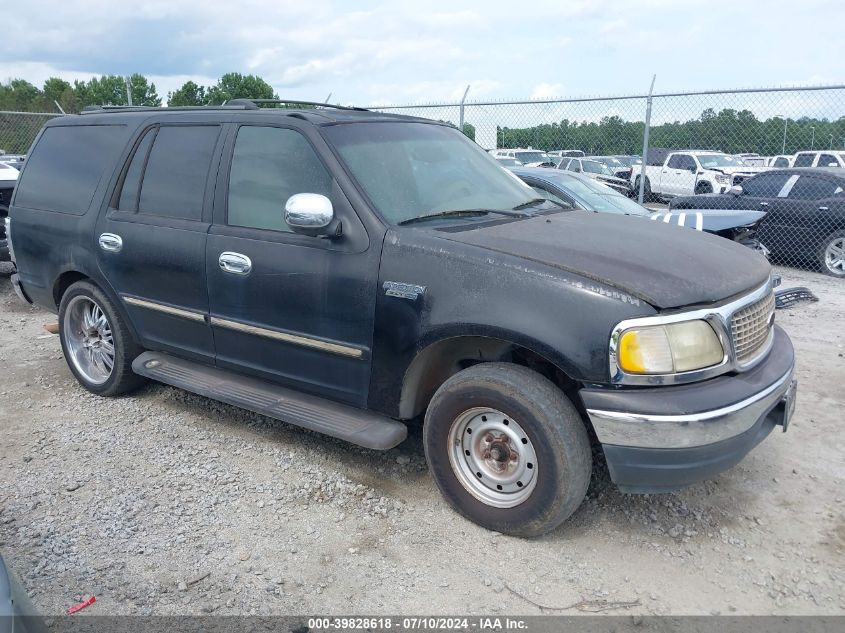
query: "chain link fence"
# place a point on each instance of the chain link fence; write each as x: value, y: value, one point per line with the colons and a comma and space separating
x: 796, y: 216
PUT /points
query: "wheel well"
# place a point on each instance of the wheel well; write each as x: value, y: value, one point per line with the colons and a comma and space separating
x: 443, y: 359
x: 64, y: 282
x: 703, y: 184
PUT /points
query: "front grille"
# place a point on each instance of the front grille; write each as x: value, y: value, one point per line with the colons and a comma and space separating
x: 750, y: 328
x: 5, y: 197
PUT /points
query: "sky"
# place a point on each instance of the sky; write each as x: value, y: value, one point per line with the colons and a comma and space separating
x: 382, y: 53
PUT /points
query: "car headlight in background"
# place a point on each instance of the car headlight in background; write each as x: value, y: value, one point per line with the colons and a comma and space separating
x: 722, y: 179
x: 668, y: 349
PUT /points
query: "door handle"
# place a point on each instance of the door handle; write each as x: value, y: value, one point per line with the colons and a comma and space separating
x: 235, y: 263
x: 764, y: 204
x: 111, y: 242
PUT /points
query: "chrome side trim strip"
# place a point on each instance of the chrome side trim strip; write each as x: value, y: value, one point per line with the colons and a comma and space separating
x: 295, y: 339
x: 160, y: 307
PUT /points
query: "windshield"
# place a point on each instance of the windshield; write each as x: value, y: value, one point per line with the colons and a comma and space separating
x: 709, y: 161
x: 409, y: 170
x: 532, y: 157
x: 595, y: 167
x: 612, y: 162
x: 595, y: 196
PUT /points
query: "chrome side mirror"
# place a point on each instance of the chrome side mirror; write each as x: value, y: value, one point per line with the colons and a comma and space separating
x: 736, y: 190
x: 310, y: 214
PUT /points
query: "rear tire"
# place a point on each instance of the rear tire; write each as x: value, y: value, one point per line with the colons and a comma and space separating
x: 507, y: 449
x: 832, y: 255
x: 97, y: 345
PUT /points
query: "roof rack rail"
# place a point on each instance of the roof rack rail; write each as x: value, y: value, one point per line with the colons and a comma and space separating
x: 91, y: 109
x: 253, y: 104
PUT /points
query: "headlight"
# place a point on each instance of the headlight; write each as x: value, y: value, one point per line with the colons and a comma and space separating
x: 669, y: 349
x: 722, y: 179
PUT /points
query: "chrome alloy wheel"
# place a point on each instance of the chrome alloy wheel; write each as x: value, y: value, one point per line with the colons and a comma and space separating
x: 492, y: 457
x: 88, y: 338
x: 834, y: 256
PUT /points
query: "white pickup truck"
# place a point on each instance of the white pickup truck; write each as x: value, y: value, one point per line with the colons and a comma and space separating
x: 684, y: 173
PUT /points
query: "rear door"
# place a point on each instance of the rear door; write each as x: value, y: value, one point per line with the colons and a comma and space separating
x: 296, y: 310
x: 151, y: 241
x: 798, y: 220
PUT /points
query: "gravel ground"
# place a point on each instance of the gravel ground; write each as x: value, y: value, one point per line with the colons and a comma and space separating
x: 168, y: 503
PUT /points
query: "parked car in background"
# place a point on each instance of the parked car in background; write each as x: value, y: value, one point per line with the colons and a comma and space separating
x: 8, y: 179
x: 829, y: 158
x: 780, y: 161
x: 682, y: 173
x: 754, y: 160
x: 566, y: 153
x: 581, y: 192
x: 596, y: 170
x: 353, y: 272
x: 13, y: 160
x: 527, y: 157
x: 506, y: 161
x: 805, y: 213
x: 616, y: 166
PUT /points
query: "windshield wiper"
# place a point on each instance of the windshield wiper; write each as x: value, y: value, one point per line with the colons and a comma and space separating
x: 456, y: 213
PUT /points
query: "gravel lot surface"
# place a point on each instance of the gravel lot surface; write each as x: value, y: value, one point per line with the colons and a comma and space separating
x: 168, y: 503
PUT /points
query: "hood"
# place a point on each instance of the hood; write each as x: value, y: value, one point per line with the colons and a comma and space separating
x: 742, y: 169
x: 667, y: 266
x: 710, y: 220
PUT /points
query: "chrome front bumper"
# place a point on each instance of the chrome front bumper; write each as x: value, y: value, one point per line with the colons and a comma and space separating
x: 695, y: 414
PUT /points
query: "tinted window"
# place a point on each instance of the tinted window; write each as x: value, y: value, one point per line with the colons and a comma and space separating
x: 268, y: 167
x: 803, y: 160
x: 132, y: 182
x: 174, y: 182
x: 781, y: 162
x: 66, y: 166
x: 574, y: 165
x: 674, y: 161
x: 825, y: 160
x: 810, y: 188
x: 548, y: 194
x: 765, y: 185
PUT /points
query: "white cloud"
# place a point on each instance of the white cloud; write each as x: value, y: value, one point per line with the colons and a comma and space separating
x: 546, y: 91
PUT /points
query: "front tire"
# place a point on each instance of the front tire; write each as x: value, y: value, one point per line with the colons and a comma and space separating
x: 95, y: 341
x: 507, y: 449
x: 702, y: 188
x: 832, y: 255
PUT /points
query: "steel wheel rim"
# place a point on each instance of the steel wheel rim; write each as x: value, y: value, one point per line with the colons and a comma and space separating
x: 834, y: 256
x: 89, y: 340
x: 492, y: 457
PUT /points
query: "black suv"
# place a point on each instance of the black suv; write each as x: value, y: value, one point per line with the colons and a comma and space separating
x: 350, y: 271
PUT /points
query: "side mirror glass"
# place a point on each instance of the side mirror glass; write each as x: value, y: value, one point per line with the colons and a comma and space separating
x: 311, y: 214
x: 736, y: 190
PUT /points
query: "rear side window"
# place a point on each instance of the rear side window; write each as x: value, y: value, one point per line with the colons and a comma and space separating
x: 173, y: 183
x: 132, y: 182
x: 781, y: 162
x: 810, y: 188
x: 67, y: 164
x: 269, y: 166
x: 826, y: 160
x: 803, y: 160
x: 765, y: 185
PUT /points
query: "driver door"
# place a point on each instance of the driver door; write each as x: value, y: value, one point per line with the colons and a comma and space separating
x: 286, y: 307
x: 679, y: 175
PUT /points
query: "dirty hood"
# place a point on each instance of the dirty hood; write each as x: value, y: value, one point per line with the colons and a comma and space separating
x: 666, y: 265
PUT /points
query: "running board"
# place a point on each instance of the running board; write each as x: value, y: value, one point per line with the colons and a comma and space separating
x: 357, y: 426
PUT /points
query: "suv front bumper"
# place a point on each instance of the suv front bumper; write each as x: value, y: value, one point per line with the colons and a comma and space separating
x: 659, y: 439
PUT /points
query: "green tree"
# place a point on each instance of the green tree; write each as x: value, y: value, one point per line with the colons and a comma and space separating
x: 19, y: 95
x: 105, y: 90
x: 143, y: 91
x: 190, y: 94
x: 237, y: 86
x: 469, y: 131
